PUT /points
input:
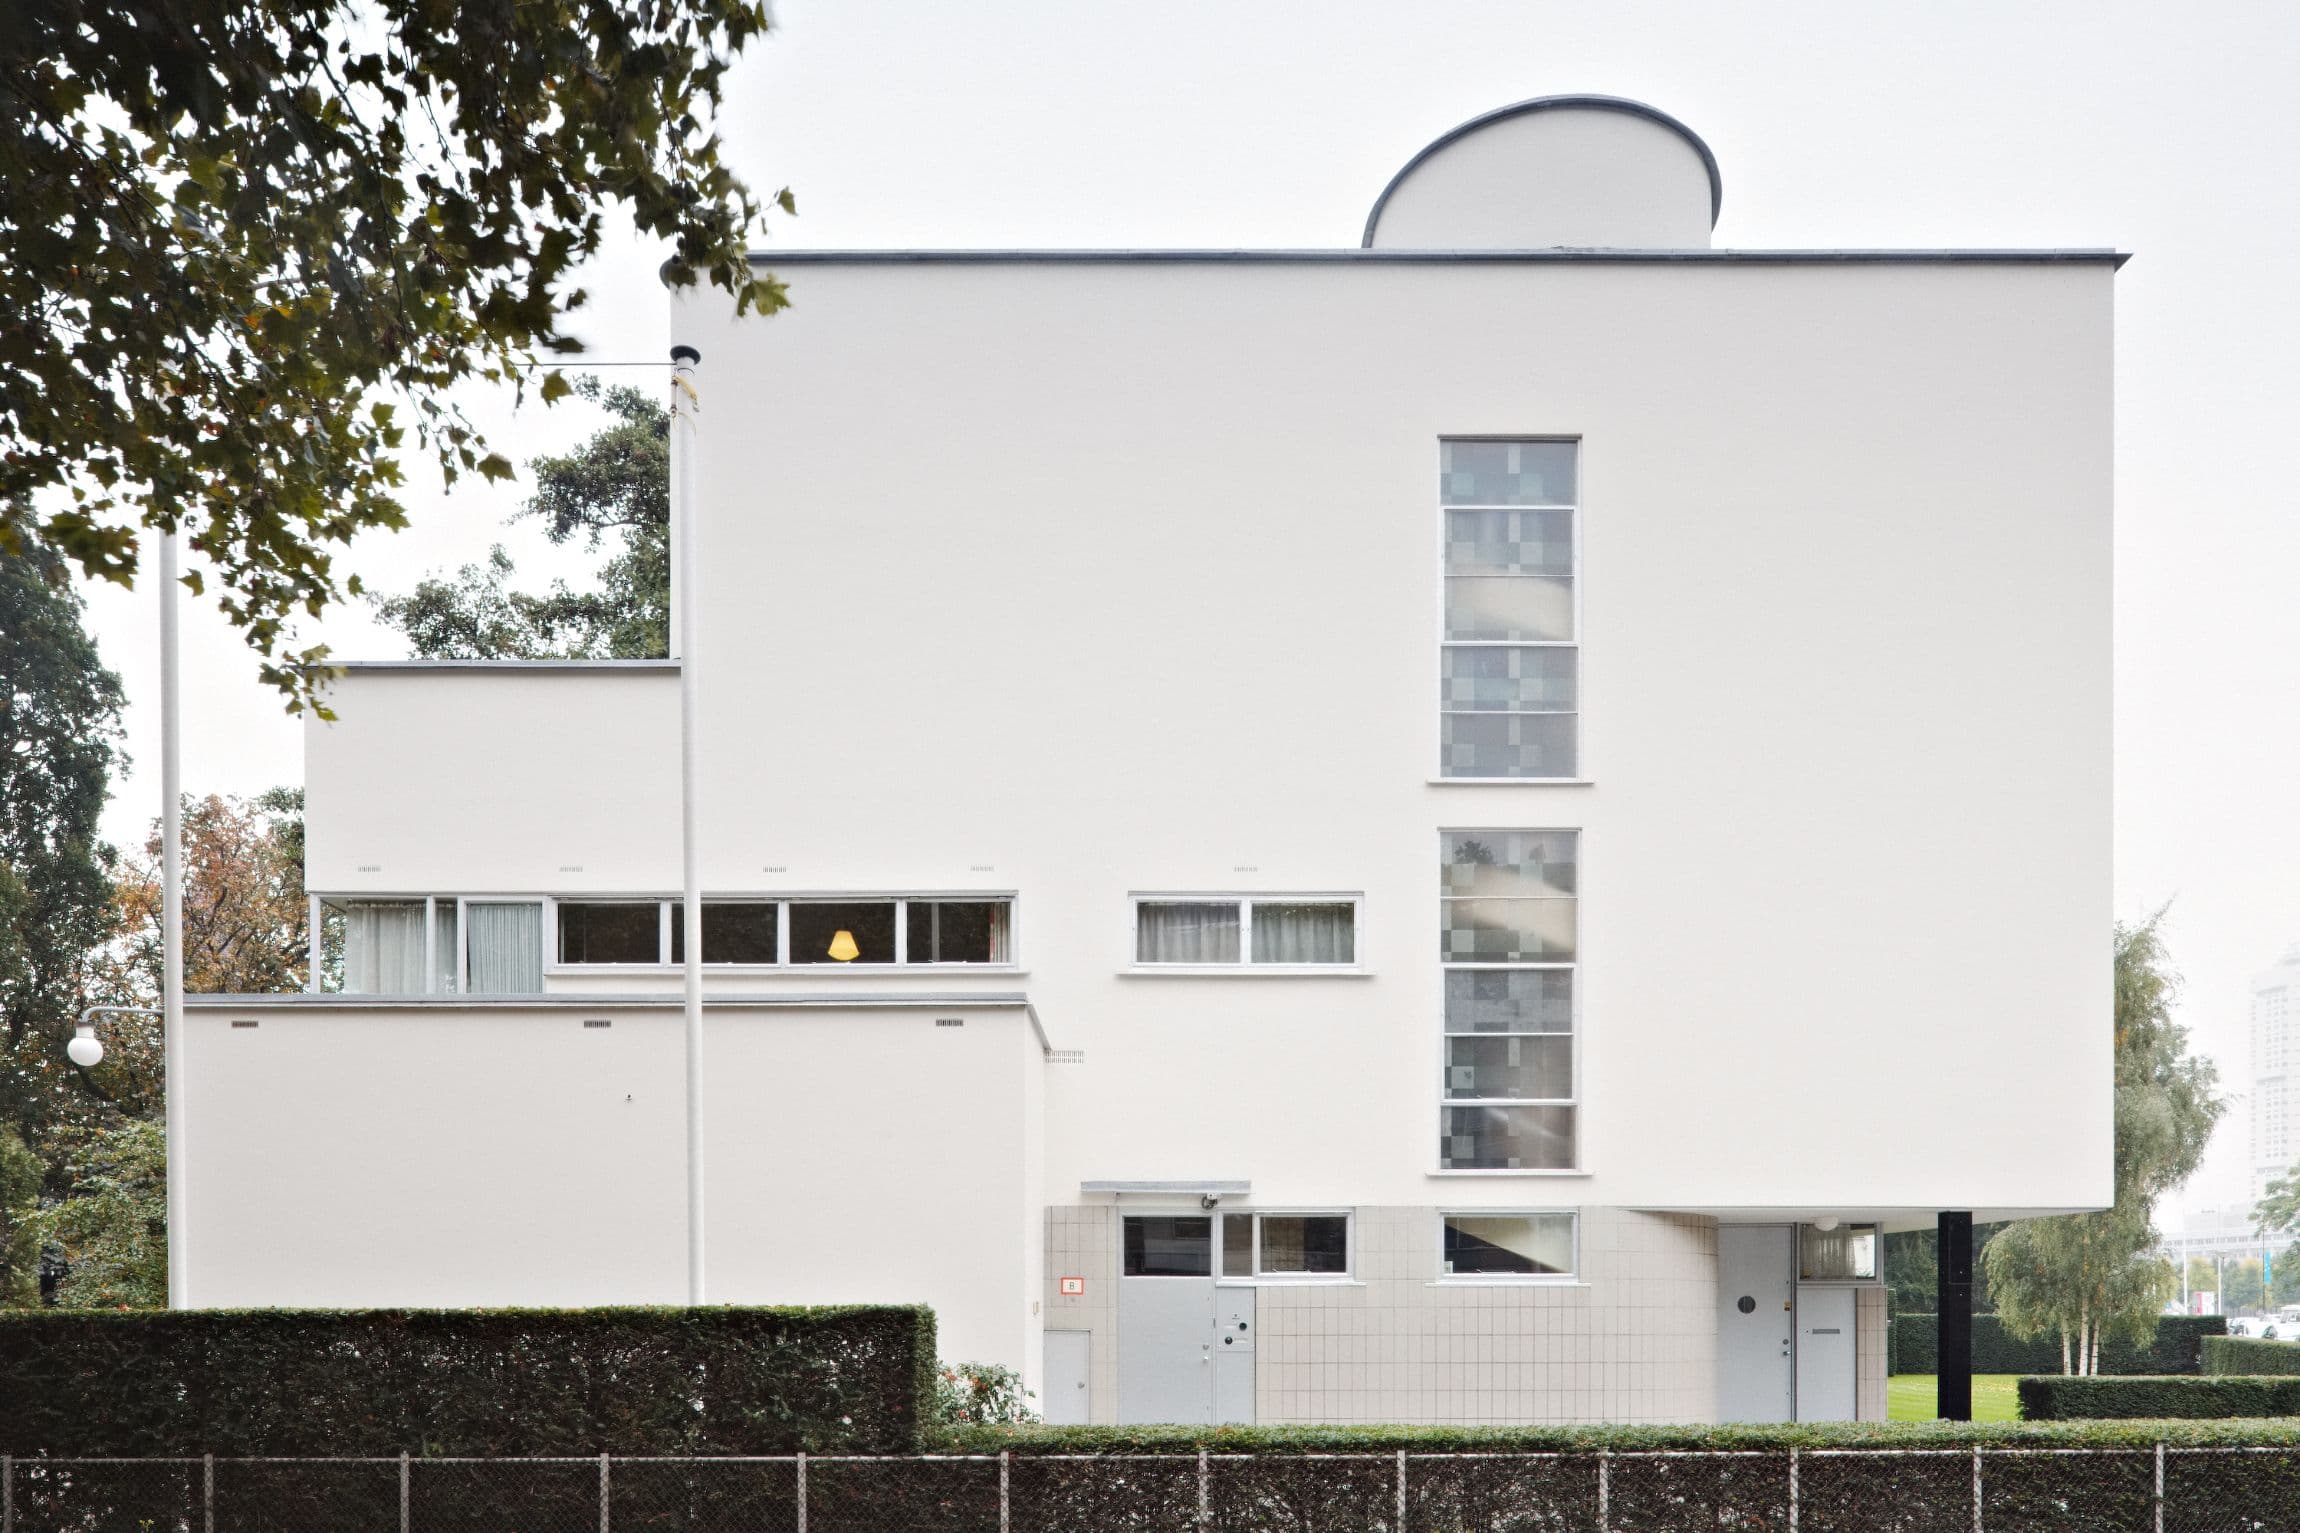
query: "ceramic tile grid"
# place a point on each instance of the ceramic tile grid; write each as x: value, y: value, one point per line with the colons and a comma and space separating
x: 1869, y: 1322
x: 1082, y: 1243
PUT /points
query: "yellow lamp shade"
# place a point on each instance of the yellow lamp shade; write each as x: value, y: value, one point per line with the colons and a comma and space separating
x: 843, y: 947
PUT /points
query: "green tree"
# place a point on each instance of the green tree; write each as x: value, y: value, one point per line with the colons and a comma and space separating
x: 614, y: 489
x: 59, y: 744
x: 2285, y: 1287
x: 111, y: 1226
x: 239, y: 234
x: 2201, y: 1277
x: 2242, y: 1287
x: 2089, y: 1275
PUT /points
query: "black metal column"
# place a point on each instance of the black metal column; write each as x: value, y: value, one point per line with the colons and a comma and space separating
x: 1953, y: 1253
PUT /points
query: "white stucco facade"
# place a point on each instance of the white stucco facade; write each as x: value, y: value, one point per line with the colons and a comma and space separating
x: 1068, y: 580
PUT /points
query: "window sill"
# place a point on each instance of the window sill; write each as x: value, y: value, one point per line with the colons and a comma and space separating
x: 766, y: 970
x: 1244, y: 971
x: 1513, y: 782
x: 1506, y: 1282
x: 1506, y: 1173
x: 1289, y: 1282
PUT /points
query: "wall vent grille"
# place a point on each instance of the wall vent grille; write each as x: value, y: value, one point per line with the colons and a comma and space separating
x: 598, y: 1022
x: 1066, y: 1056
x: 243, y: 1022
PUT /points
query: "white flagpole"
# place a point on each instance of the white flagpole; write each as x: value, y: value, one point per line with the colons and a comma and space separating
x: 685, y: 409
x: 172, y: 923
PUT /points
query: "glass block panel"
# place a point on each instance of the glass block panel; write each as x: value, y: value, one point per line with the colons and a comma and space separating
x: 1507, y: 744
x: 1508, y: 607
x: 1510, y: 473
x: 1538, y: 1066
x: 1508, y: 1001
x: 1293, y: 1244
x: 1502, y: 678
x: 1508, y: 863
x: 1509, y: 542
x: 1237, y: 1245
x: 1186, y: 931
x: 817, y: 925
x: 1304, y: 933
x: 1506, y: 1138
x: 1529, y: 1245
x: 1160, y: 1246
x: 629, y: 932
x: 734, y: 931
x: 1507, y: 931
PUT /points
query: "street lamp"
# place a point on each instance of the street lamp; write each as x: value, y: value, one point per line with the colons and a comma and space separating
x: 86, y: 1049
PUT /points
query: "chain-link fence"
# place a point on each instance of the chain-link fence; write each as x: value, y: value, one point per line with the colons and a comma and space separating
x: 2160, y: 1489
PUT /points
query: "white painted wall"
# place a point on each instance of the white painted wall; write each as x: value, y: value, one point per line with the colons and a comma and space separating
x: 509, y: 1155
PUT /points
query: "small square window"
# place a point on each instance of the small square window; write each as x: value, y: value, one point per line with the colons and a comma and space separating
x: 1845, y: 1254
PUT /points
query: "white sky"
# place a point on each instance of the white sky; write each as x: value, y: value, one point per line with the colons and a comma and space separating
x: 2164, y: 130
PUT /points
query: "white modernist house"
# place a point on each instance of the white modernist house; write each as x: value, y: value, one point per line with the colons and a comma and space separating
x: 1436, y: 831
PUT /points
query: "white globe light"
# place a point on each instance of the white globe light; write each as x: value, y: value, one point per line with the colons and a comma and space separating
x: 84, y: 1050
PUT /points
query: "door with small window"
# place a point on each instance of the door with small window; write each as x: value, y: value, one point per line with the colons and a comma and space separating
x: 1186, y: 1316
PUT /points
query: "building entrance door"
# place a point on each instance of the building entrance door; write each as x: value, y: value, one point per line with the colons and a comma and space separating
x: 1756, y: 1322
x: 1185, y: 1348
x: 1825, y: 1380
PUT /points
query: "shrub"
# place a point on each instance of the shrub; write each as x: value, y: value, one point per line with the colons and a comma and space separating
x: 1912, y: 1347
x: 466, y: 1382
x: 2166, y: 1396
x: 2240, y: 1354
x: 980, y: 1395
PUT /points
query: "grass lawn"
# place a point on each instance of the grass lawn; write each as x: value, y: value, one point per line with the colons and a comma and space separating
x: 1910, y: 1397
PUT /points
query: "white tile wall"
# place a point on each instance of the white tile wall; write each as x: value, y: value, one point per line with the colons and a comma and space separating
x: 1870, y: 1318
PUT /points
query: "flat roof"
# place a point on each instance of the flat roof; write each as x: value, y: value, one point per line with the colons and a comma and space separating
x: 1352, y: 256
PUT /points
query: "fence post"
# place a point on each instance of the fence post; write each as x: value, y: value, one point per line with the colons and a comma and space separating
x: 403, y: 1493
x: 1792, y: 1489
x: 207, y: 1493
x: 603, y: 1490
x: 1605, y: 1490
x: 7, y: 1493
x: 1401, y: 1491
x: 2159, y: 1497
x: 1976, y: 1488
x: 801, y: 1525
x: 1205, y: 1494
x: 1005, y: 1515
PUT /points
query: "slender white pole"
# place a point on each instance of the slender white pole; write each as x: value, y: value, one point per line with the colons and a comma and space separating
x: 172, y: 924
x: 685, y: 408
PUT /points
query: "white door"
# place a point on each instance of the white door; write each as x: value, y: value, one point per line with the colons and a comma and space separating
x: 1234, y: 1355
x: 1756, y: 1323
x: 1166, y: 1319
x: 1068, y: 1401
x: 1825, y: 1354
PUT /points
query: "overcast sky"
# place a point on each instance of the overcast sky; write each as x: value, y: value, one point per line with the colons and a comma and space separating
x: 2164, y: 130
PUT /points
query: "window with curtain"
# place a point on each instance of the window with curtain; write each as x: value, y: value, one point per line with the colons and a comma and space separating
x: 382, y: 947
x: 504, y: 948
x: 1263, y: 932
x: 1510, y: 662
x: 1845, y: 1254
x: 1507, y: 940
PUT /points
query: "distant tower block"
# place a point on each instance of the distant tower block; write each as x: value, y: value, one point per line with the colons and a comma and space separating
x: 1556, y: 172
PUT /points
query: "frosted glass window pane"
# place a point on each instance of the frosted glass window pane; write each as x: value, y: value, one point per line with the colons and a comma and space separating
x: 1508, y: 744
x: 1508, y: 931
x: 1182, y: 931
x: 1507, y: 678
x: 1508, y: 607
x: 1518, y: 473
x: 1509, y: 863
x: 1510, y: 1066
x: 1293, y: 1244
x: 383, y: 947
x: 1509, y: 1001
x: 629, y: 932
x: 1304, y: 933
x: 506, y: 955
x: 1521, y: 1244
x: 1506, y: 1139
x: 1509, y: 542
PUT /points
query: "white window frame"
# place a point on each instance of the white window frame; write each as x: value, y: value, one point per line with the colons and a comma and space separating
x: 1245, y: 963
x: 1580, y: 772
x: 1257, y: 1277
x: 671, y: 912
x: 1875, y: 1279
x: 1567, y: 1279
x: 1574, y: 966
x: 463, y: 904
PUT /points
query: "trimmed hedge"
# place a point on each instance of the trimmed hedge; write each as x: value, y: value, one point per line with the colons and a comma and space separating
x: 2165, y: 1397
x: 456, y: 1383
x: 1912, y: 1346
x: 2245, y: 1355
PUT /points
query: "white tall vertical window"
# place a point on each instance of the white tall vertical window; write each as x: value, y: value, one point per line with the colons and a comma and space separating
x: 1510, y: 663
x: 1507, y: 933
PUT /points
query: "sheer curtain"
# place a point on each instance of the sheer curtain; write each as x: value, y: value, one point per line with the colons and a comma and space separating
x: 1178, y: 932
x: 1304, y: 934
x: 506, y: 949
x: 383, y: 947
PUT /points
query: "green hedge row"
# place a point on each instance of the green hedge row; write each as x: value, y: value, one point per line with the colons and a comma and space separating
x: 1912, y: 1347
x: 466, y: 1382
x: 2242, y: 1354
x: 1554, y: 1439
x: 2166, y: 1397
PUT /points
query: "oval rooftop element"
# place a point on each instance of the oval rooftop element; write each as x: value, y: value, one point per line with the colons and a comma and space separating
x: 1556, y: 172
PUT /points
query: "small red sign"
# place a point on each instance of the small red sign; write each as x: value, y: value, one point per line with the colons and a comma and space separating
x: 1071, y: 1287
